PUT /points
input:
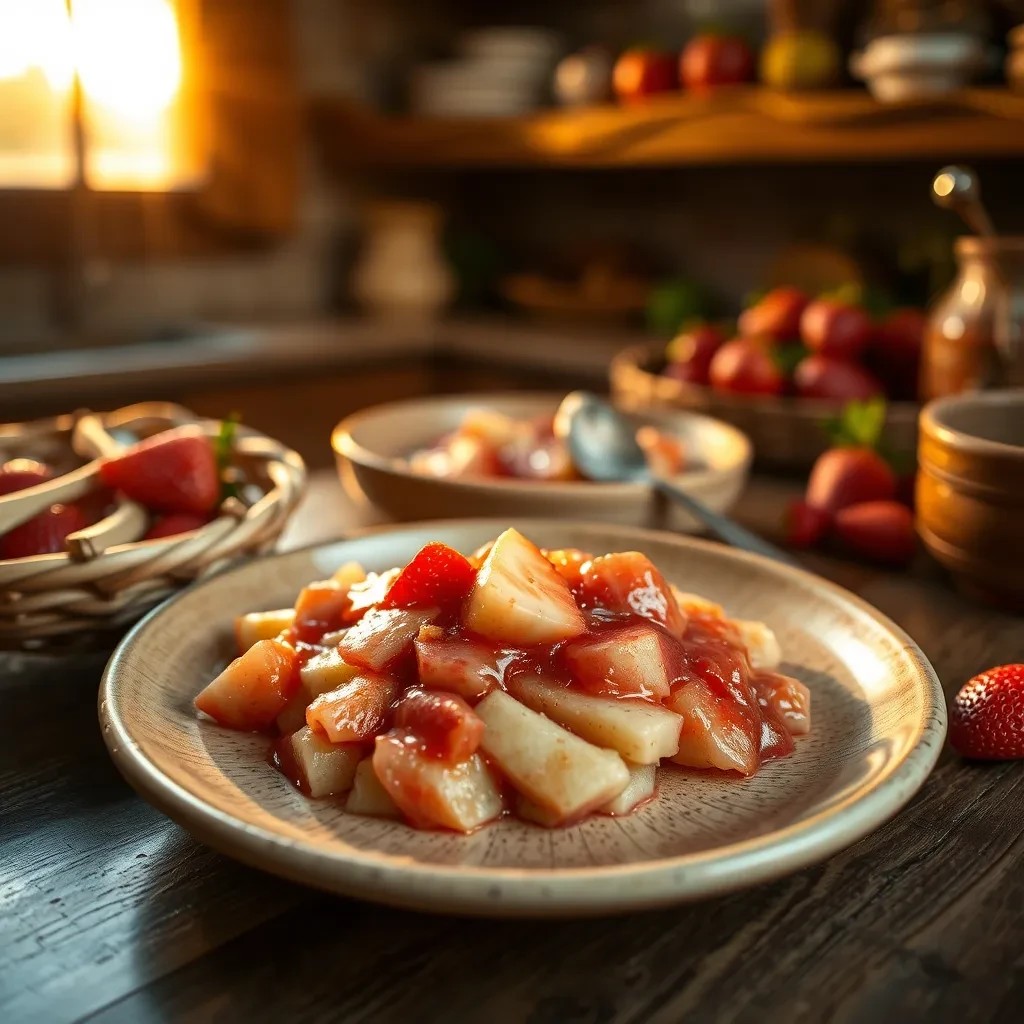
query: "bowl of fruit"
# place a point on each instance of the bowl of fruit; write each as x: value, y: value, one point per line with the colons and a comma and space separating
x: 103, y: 515
x: 791, y: 364
x: 459, y: 456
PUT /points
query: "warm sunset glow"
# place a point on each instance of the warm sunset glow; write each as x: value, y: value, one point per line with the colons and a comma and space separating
x: 128, y: 54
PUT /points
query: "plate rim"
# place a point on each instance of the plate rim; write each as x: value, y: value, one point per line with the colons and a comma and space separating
x: 536, y: 892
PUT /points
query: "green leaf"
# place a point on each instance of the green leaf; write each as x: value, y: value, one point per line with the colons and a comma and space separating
x: 223, y: 447
x: 786, y: 357
x: 859, y: 423
x: 672, y: 304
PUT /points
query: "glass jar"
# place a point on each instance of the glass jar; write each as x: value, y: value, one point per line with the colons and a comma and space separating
x: 975, y: 333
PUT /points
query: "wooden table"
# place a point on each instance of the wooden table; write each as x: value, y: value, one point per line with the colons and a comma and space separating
x: 110, y: 912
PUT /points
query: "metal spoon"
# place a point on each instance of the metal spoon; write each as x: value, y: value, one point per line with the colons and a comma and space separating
x: 956, y: 188
x: 603, y: 445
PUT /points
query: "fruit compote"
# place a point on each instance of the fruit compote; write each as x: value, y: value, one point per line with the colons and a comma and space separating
x: 490, y: 444
x: 545, y: 684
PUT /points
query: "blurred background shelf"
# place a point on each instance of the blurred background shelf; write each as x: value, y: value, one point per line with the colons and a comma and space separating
x: 741, y: 125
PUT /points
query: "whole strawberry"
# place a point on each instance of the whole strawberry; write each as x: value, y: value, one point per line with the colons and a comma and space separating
x: 987, y: 717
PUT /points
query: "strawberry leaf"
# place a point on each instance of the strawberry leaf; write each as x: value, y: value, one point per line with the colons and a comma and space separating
x: 223, y: 448
x: 860, y: 424
x: 788, y: 356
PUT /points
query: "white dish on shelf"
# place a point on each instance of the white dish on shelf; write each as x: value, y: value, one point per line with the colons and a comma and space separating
x: 898, y: 68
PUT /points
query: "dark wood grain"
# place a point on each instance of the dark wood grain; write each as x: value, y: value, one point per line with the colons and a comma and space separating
x: 111, y: 913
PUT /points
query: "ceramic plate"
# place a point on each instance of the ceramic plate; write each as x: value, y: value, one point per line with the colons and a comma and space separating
x: 878, y: 723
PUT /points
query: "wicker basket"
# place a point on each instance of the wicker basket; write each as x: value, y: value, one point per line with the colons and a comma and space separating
x: 786, y: 432
x: 108, y: 577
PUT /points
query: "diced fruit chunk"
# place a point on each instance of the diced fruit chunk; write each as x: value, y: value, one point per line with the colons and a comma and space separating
x: 382, y: 636
x: 630, y: 660
x: 713, y: 734
x: 520, y: 599
x: 539, y: 815
x: 628, y: 582
x: 461, y: 666
x: 256, y: 626
x: 437, y: 577
x: 355, y: 711
x: 367, y: 593
x: 788, y: 698
x: 761, y: 643
x: 320, y: 607
x: 642, y: 781
x: 348, y: 574
x: 640, y: 731
x: 322, y: 768
x: 569, y: 563
x: 253, y: 690
x: 324, y: 671
x: 430, y: 793
x: 546, y: 763
x: 444, y: 724
x: 368, y: 796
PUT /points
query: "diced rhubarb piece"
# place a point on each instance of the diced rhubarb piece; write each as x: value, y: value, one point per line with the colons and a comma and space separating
x: 324, y: 671
x: 368, y: 796
x: 253, y: 690
x: 630, y: 660
x: 715, y: 733
x: 322, y: 768
x: 696, y: 606
x: 762, y: 646
x: 628, y: 582
x: 355, y: 711
x: 641, y: 732
x: 348, y: 574
x: 546, y: 763
x: 642, y: 782
x: 788, y: 698
x: 383, y: 636
x: 430, y: 793
x: 539, y: 815
x: 520, y: 599
x: 569, y: 563
x: 368, y: 593
x: 437, y: 577
x: 320, y: 607
x: 459, y: 665
x: 444, y: 724
x: 256, y: 626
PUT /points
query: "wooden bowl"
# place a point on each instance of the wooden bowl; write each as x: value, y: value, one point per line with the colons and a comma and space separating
x: 970, y: 491
x: 786, y: 432
x: 372, y: 447
x: 108, y: 576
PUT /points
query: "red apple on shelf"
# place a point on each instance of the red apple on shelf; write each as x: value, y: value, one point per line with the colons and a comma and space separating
x: 835, y: 329
x: 820, y: 376
x: 640, y: 73
x: 690, y: 353
x: 710, y: 60
x: 744, y: 366
x: 775, y: 316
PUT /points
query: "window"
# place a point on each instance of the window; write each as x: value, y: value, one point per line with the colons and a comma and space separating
x: 114, y: 73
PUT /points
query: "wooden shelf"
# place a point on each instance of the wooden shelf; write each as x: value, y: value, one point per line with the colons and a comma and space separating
x: 741, y: 125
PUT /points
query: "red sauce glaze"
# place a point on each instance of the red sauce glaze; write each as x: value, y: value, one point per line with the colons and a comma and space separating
x: 706, y: 649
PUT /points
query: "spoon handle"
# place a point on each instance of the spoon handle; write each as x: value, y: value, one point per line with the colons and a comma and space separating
x: 724, y: 528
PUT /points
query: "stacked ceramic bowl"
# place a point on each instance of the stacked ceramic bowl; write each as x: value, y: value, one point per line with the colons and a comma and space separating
x: 499, y: 72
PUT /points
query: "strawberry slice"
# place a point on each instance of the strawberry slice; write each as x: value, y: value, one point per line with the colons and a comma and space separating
x: 175, y: 523
x: 628, y: 582
x: 169, y: 472
x: 43, y: 534
x: 519, y: 598
x: 987, y: 717
x: 17, y: 474
x: 444, y: 724
x: 437, y: 577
